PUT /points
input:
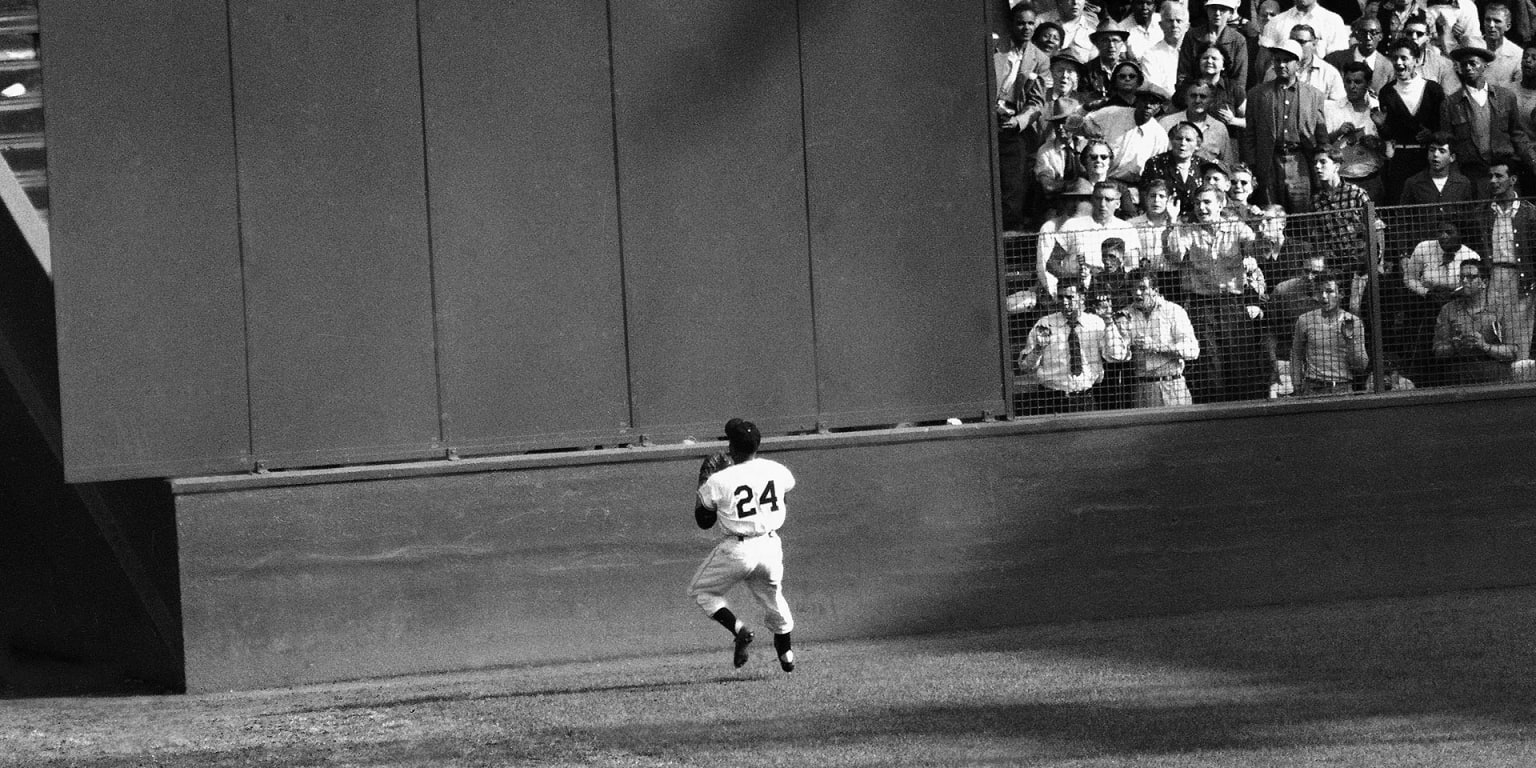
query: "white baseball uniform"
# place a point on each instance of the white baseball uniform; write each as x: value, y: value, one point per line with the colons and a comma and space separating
x: 748, y: 500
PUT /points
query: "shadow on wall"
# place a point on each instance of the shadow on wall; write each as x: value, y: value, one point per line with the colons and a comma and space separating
x: 77, y: 615
x: 70, y: 624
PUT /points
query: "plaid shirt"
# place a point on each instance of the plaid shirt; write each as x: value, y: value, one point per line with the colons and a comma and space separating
x: 1211, y: 255
x: 1340, y: 230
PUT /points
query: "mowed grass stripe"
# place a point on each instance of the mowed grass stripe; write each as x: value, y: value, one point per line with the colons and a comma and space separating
x: 1438, y: 680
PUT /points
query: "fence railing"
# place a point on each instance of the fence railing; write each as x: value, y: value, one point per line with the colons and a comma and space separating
x: 1338, y: 303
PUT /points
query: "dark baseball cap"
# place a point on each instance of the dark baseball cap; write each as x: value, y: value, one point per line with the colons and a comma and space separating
x: 743, y: 436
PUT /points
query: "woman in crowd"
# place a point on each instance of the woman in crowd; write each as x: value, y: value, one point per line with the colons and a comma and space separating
x: 1124, y: 81
x: 1048, y: 37
x: 1227, y: 98
x: 1179, y: 166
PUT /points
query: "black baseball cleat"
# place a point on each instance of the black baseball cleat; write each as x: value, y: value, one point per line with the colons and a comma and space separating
x: 743, y: 639
x: 787, y: 661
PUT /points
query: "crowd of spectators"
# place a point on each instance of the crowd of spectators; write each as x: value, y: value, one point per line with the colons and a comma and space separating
x: 1193, y: 198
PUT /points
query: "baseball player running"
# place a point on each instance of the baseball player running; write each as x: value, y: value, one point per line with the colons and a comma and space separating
x: 744, y: 501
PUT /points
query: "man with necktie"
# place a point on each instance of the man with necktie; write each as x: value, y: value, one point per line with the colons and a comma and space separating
x: 1067, y: 350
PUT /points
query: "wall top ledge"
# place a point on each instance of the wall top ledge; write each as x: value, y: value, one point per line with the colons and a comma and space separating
x: 882, y: 435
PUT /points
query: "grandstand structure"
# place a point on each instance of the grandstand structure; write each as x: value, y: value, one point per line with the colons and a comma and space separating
x: 388, y: 338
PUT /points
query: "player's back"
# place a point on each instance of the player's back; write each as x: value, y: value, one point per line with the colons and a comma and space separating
x: 748, y: 497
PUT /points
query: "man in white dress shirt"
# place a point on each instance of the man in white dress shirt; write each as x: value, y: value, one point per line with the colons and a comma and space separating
x: 1142, y: 26
x: 1504, y: 70
x: 1332, y: 33
x: 1160, y: 61
x: 1312, y: 69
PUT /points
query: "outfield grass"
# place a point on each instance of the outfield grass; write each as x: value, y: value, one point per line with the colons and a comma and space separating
x: 1434, y: 681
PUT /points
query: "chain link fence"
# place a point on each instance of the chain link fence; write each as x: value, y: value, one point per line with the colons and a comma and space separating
x: 1334, y: 303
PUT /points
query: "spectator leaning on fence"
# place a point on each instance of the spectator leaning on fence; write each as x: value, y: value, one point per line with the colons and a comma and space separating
x: 1211, y: 252
x: 1287, y: 303
x: 1469, y: 337
x: 1162, y: 340
x: 1327, y: 346
x: 1432, y: 277
x: 1067, y: 349
x: 1508, y: 240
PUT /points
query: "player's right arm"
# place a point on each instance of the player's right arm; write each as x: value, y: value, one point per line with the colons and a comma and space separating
x: 705, y: 508
x: 703, y: 516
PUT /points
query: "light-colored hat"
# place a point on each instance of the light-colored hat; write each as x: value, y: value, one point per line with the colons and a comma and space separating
x: 1288, y: 46
x: 1229, y: 4
x: 1109, y: 27
x: 1063, y: 57
x: 1061, y: 111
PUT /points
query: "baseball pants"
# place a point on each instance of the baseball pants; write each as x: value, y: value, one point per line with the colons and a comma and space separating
x: 758, y: 561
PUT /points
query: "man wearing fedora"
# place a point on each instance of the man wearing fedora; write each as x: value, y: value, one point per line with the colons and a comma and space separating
x: 1483, y: 120
x: 1285, y: 125
x: 1110, y: 40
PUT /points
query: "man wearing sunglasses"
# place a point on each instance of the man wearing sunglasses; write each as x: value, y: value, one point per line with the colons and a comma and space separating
x: 1469, y: 336
x: 1433, y: 65
x: 1366, y: 36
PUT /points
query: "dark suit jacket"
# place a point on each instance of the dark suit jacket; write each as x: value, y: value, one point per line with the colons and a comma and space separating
x: 1381, y: 74
x: 1402, y: 126
x: 1258, y: 145
x: 1506, y: 134
x: 1419, y: 189
x: 1409, y: 226
x: 1525, y: 237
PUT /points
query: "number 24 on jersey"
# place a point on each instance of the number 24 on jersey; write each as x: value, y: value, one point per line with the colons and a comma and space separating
x: 748, y: 501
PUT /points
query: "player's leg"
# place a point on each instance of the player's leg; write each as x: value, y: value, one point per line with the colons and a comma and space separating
x: 714, y: 578
x: 766, y: 583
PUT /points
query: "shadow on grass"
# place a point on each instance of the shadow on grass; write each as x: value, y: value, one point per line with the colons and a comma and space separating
x: 1361, y: 679
x: 520, y: 694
